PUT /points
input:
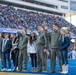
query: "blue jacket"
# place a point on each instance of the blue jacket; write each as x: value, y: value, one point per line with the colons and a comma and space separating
x: 64, y: 45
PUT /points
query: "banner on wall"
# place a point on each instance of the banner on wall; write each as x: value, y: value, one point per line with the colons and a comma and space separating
x: 5, y: 30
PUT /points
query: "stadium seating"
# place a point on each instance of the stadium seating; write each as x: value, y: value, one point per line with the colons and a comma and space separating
x: 11, y: 17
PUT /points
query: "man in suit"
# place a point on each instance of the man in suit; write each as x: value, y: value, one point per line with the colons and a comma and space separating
x: 23, y: 51
x: 6, y: 47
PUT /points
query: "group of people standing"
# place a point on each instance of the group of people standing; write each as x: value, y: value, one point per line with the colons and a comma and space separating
x: 37, y: 47
x: 9, y: 50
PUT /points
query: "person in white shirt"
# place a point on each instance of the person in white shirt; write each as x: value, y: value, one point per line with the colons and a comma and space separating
x: 31, y: 49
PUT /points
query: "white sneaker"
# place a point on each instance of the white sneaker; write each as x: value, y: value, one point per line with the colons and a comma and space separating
x: 16, y: 68
x: 64, y: 69
x: 9, y: 70
x: 4, y: 69
x: 63, y: 72
x: 13, y: 69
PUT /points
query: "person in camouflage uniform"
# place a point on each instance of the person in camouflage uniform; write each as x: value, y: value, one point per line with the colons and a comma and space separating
x: 41, y: 50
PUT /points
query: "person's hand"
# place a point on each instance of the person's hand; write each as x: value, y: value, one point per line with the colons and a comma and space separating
x: 60, y: 48
x: 74, y: 48
x: 48, y: 52
x: 12, y: 49
x: 28, y: 54
x: 44, y: 50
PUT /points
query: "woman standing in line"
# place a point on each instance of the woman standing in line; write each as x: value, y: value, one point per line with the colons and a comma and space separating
x: 64, y: 44
x: 31, y: 49
x: 15, y: 49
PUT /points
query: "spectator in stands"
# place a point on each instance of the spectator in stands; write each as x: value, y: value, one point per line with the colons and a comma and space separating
x: 64, y: 44
x: 74, y: 54
x: 74, y: 51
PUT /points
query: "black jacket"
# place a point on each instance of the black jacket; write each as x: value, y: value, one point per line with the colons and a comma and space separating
x: 8, y: 46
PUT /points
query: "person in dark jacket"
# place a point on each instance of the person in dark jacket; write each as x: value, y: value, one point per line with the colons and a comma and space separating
x: 6, y: 47
x: 64, y: 44
x: 15, y: 49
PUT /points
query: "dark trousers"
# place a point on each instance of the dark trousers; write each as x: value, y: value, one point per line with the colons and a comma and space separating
x: 33, y: 59
x: 55, y: 53
x: 3, y: 58
x: 15, y: 54
x: 64, y: 57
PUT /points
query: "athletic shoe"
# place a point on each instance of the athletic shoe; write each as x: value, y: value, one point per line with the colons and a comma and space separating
x: 9, y: 69
x: 24, y: 70
x: 4, y: 69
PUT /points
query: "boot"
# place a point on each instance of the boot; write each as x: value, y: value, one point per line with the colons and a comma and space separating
x: 63, y: 69
x: 34, y: 69
x: 66, y: 68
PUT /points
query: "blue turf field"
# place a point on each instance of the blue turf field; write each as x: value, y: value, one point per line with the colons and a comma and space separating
x: 72, y: 68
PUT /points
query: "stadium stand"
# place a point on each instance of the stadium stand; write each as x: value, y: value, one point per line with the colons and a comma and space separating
x: 11, y: 17
x: 16, y: 18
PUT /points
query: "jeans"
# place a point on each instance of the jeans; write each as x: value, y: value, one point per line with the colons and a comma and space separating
x: 64, y: 57
x: 6, y: 56
x: 33, y: 59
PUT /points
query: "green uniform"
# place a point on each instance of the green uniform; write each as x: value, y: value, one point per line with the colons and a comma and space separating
x: 42, y: 56
x: 23, y: 52
x: 55, y: 37
x: 47, y: 34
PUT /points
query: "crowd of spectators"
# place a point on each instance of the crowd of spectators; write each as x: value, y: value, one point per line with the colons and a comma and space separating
x: 11, y: 17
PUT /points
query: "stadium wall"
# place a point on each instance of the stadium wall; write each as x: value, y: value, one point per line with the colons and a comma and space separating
x: 32, y: 6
